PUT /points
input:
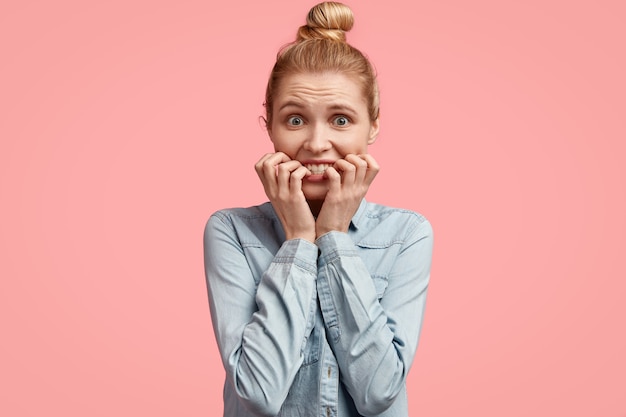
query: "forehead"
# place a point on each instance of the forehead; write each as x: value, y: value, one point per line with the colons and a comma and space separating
x: 320, y: 89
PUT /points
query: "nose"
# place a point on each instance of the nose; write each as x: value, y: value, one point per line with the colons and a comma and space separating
x: 318, y: 139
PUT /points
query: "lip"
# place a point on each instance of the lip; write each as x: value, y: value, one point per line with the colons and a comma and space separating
x: 318, y: 161
x: 317, y: 177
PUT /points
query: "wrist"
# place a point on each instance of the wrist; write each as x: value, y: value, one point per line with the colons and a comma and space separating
x: 321, y: 231
x: 305, y: 236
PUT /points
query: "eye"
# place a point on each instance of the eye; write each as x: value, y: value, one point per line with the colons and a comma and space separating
x: 295, y: 121
x: 341, y: 121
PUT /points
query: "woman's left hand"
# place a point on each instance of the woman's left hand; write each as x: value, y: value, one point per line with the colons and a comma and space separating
x: 349, y: 179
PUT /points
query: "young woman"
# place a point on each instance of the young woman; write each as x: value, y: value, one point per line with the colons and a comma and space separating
x: 317, y: 296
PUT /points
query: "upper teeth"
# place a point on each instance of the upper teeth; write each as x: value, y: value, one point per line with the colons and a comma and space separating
x: 317, y: 169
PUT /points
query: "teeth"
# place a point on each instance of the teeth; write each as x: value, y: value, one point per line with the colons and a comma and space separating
x: 317, y: 169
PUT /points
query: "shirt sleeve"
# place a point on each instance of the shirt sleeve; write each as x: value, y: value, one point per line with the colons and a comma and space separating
x: 374, y: 340
x: 261, y: 331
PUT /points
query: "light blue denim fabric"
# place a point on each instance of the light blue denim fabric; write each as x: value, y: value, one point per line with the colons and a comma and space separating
x: 324, y: 329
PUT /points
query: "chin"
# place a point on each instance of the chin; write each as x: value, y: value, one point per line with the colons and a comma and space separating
x: 314, y: 191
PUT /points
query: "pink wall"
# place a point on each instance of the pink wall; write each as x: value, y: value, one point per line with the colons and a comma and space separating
x: 124, y: 124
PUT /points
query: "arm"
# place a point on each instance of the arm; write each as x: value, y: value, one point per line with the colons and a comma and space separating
x: 374, y: 340
x: 261, y: 332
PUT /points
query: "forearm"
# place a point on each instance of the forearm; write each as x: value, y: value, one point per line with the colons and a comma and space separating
x: 374, y: 344
x: 261, y: 330
x: 357, y: 327
x: 273, y: 340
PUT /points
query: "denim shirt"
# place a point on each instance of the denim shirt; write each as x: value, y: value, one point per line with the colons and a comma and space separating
x: 317, y: 329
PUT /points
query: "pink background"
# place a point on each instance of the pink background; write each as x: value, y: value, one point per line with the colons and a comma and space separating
x: 124, y: 124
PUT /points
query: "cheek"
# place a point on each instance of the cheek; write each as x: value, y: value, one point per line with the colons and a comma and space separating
x: 285, y: 143
x: 356, y: 144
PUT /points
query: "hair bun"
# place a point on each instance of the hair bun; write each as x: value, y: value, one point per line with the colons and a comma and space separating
x: 327, y: 20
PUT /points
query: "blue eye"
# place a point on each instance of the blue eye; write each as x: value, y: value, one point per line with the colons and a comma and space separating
x: 295, y: 121
x: 341, y: 121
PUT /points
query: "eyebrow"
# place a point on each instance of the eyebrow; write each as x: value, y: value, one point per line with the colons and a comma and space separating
x: 292, y: 103
x: 342, y: 107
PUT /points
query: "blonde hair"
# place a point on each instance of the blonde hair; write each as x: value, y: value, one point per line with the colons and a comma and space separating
x: 320, y: 47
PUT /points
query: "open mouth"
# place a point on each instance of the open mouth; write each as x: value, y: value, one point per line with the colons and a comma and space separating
x: 317, y: 169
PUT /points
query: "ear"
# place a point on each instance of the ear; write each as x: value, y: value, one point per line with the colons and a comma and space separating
x: 374, y: 128
x: 263, y: 123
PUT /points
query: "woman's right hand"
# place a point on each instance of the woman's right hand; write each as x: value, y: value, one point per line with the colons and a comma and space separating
x: 282, y: 180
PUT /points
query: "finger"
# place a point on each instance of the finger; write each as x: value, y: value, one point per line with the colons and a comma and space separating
x: 284, y: 172
x: 266, y: 170
x: 360, y: 165
x: 269, y: 159
x: 372, y: 167
x: 295, y: 180
x: 277, y: 159
x: 259, y: 165
x: 347, y: 171
x: 269, y: 183
x: 334, y: 179
x: 270, y: 164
